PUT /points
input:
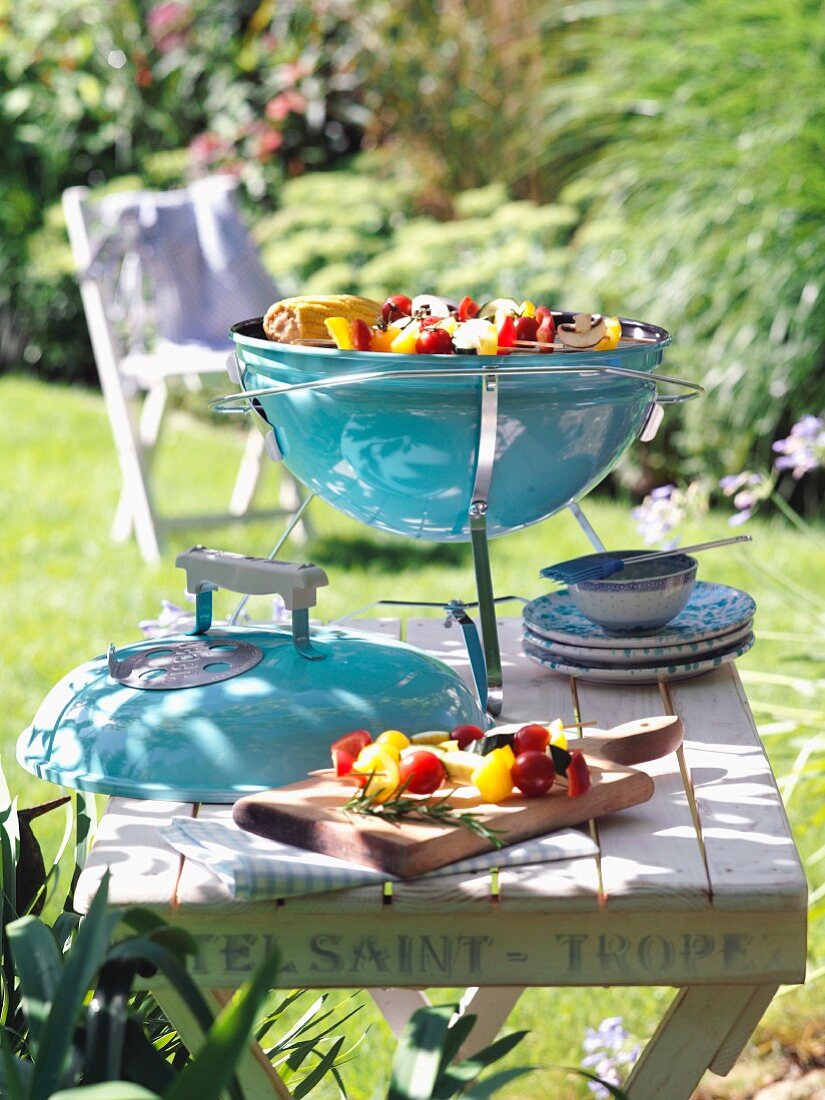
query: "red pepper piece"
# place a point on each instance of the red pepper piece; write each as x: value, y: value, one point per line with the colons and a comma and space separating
x: 578, y: 775
x: 342, y: 761
x: 361, y: 334
x: 507, y: 332
x: 467, y: 308
x: 353, y: 742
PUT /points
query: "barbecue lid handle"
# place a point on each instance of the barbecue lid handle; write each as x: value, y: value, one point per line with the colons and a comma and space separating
x: 207, y: 570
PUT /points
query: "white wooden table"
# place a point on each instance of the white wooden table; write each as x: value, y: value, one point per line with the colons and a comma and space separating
x: 700, y: 889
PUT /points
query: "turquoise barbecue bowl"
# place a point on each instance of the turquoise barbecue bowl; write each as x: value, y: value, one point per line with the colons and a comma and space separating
x: 264, y: 728
x: 400, y: 454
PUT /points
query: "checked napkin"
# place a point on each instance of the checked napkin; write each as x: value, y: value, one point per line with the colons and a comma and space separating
x: 254, y: 868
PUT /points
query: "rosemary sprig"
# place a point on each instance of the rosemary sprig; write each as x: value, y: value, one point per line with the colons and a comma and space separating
x: 398, y: 809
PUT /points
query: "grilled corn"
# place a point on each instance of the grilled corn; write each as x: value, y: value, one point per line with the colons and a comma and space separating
x: 302, y: 317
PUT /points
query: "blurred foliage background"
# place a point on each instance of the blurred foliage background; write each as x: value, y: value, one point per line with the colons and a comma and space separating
x: 646, y: 157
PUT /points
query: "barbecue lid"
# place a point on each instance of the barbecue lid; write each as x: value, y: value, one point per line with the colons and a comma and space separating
x: 223, y: 712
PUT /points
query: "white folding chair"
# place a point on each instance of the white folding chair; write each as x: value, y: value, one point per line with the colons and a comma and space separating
x: 162, y: 276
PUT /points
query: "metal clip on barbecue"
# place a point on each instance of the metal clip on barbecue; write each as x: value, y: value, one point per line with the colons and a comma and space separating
x: 208, y: 570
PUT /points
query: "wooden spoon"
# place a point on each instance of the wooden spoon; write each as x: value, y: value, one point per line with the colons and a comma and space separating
x: 634, y: 742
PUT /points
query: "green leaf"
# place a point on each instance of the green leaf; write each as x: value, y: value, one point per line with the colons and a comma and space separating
x: 81, y: 964
x: 456, y: 1034
x: 106, y: 1018
x: 490, y: 1054
x: 418, y: 1055
x: 141, y: 1061
x: 482, y: 1090
x: 320, y: 1071
x: 614, y: 1090
x: 39, y: 967
x: 11, y: 1070
x: 170, y: 965
x: 212, y: 1068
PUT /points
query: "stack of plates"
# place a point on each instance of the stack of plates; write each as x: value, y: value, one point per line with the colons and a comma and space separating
x: 715, y: 627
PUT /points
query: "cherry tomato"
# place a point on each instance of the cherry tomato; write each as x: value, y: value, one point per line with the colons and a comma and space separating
x: 342, y: 761
x: 465, y: 734
x: 353, y: 742
x: 397, y: 305
x: 546, y: 335
x: 467, y: 308
x: 434, y: 341
x: 533, y: 773
x: 531, y: 738
x: 526, y: 328
x: 421, y: 772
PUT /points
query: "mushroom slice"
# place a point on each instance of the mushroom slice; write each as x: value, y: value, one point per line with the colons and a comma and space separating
x: 431, y: 305
x: 585, y: 331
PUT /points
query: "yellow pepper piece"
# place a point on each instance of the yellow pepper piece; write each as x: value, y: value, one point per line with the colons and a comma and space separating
x: 404, y: 342
x: 613, y: 335
x: 339, y: 330
x: 492, y: 777
x: 557, y: 735
x: 393, y: 739
x: 377, y: 762
x: 506, y: 754
x: 527, y: 309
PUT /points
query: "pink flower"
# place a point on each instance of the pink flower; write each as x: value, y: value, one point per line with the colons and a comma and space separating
x: 265, y: 142
x: 169, y: 24
x: 292, y: 72
x: 208, y: 148
x: 285, y: 103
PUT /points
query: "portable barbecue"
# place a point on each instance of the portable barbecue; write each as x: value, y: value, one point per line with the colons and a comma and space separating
x: 452, y: 448
x: 431, y: 447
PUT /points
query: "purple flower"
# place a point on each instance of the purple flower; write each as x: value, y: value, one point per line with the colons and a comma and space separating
x: 608, y: 1049
x: 748, y: 489
x: 804, y: 448
x: 667, y: 506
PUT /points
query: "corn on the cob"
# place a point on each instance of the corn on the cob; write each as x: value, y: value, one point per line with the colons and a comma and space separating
x: 302, y: 317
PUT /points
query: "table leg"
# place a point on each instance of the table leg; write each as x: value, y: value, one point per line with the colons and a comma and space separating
x: 746, y: 1022
x: 398, y: 1005
x: 491, y: 1006
x: 258, y: 1078
x: 700, y: 1029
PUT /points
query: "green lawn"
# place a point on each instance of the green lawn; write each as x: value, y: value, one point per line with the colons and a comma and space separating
x: 67, y: 592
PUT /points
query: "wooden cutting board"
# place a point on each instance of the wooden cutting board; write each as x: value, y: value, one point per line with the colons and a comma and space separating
x: 310, y: 814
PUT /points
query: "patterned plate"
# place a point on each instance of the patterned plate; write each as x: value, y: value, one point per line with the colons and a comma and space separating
x: 620, y: 655
x: 638, y: 675
x: 712, y: 610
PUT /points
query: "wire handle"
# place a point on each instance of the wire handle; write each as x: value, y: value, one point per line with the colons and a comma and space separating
x: 238, y: 402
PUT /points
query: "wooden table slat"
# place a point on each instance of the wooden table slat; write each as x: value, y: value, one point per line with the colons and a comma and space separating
x: 143, y: 871
x: 649, y: 853
x: 749, y: 847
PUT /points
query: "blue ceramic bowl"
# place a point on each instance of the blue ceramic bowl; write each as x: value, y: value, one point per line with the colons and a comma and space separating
x: 400, y: 455
x: 641, y: 597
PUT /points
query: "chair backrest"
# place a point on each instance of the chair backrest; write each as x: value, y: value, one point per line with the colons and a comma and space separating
x: 170, y: 266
